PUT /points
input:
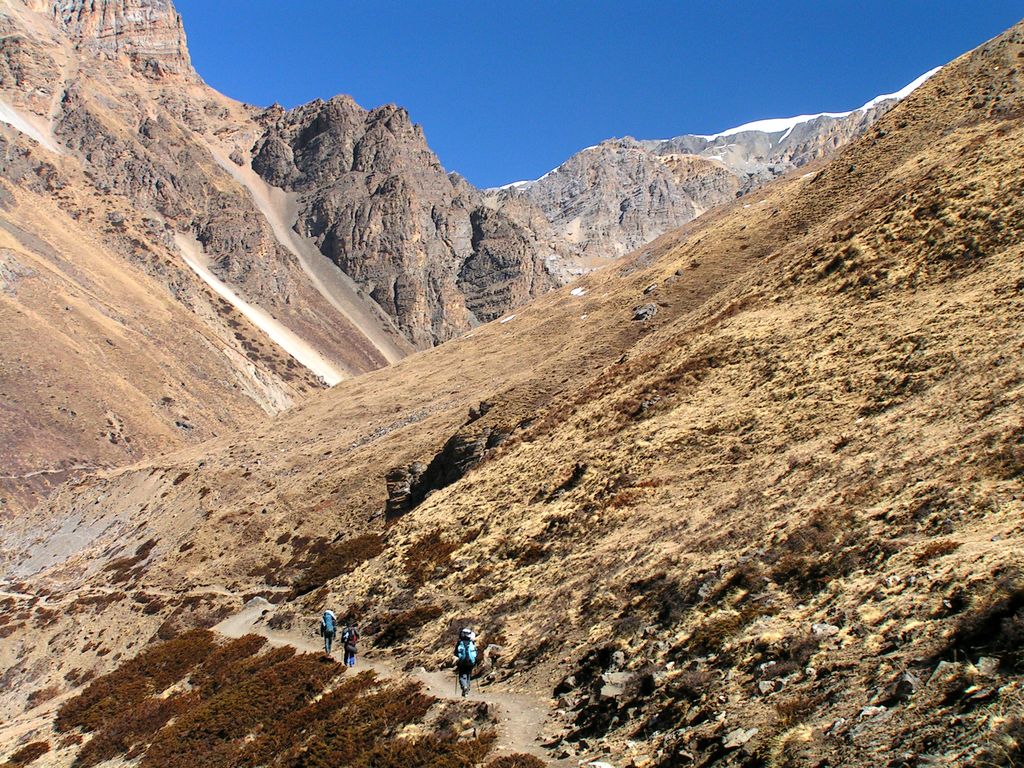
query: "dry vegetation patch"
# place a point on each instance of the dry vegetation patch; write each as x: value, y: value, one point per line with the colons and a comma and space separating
x: 27, y: 754
x: 194, y: 701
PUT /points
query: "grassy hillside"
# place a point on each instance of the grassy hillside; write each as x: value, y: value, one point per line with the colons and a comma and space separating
x: 779, y: 522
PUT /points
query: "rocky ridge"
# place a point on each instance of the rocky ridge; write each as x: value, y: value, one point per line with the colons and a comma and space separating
x: 612, y: 198
x: 111, y: 137
x: 776, y: 521
x: 148, y: 33
x: 377, y: 202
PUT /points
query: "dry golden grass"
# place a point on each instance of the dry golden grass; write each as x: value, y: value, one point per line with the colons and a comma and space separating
x: 833, y: 392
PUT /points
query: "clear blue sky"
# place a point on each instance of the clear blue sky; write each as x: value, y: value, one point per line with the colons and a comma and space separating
x: 508, y: 90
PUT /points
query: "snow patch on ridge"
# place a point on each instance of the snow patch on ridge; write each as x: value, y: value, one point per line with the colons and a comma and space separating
x: 903, y: 92
x: 787, y: 124
x: 784, y: 125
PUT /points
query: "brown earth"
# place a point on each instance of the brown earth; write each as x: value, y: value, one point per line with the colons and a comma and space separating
x: 778, y: 522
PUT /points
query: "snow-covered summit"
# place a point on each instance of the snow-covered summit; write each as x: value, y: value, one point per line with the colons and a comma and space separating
x: 781, y: 124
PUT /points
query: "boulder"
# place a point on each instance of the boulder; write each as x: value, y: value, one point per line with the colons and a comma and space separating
x: 645, y: 312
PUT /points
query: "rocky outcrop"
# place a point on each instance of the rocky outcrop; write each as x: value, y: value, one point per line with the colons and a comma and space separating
x: 408, y: 486
x: 377, y: 202
x: 147, y: 33
x: 612, y: 198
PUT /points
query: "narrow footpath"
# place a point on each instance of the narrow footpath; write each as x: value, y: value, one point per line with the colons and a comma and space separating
x: 520, y: 717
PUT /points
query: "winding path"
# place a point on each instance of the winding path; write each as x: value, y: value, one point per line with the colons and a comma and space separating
x: 520, y: 717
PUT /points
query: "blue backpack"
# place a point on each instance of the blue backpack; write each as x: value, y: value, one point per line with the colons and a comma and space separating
x: 328, y: 623
x: 466, y: 652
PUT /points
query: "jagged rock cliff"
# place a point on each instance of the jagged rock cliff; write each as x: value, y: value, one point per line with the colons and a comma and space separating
x: 377, y: 202
x: 148, y: 33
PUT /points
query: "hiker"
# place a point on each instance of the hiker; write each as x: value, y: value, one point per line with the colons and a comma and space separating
x: 349, y: 638
x: 465, y: 658
x: 328, y: 625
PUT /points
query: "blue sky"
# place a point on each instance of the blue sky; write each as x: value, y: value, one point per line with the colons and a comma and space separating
x: 508, y: 90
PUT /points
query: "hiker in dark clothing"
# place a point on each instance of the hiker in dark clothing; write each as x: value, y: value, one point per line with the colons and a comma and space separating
x: 328, y: 626
x: 349, y: 638
x: 465, y: 658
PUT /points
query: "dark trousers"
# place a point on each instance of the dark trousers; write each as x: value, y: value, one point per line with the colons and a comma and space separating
x: 350, y: 657
x: 465, y: 678
x: 328, y: 639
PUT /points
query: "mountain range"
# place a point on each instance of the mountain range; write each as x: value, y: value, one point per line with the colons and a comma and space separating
x: 748, y: 494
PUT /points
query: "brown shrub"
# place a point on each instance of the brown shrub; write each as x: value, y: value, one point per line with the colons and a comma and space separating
x: 251, y: 708
x: 131, y: 728
x: 321, y: 565
x: 401, y: 625
x: 359, y: 721
x: 715, y: 631
x: 692, y: 684
x: 100, y: 601
x: 122, y: 568
x: 27, y: 754
x: 518, y: 760
x: 152, y: 671
x: 429, y: 557
x: 428, y: 751
x: 826, y: 547
x: 225, y: 664
x: 79, y: 676
x: 42, y: 696
x: 252, y: 703
x: 796, y: 709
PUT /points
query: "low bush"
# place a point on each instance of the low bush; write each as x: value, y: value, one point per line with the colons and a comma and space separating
x: 401, y: 625
x: 518, y: 760
x: 246, y: 706
x: 428, y: 558
x: 218, y: 727
x: 42, y: 696
x: 132, y: 728
x: 226, y: 663
x: 27, y: 754
x: 125, y: 568
x: 321, y: 564
x: 152, y: 671
x: 795, y: 709
x: 824, y: 548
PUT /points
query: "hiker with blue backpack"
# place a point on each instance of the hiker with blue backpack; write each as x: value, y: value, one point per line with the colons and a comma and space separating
x: 465, y: 658
x: 328, y: 626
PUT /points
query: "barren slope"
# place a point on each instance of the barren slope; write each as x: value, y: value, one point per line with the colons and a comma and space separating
x: 778, y: 522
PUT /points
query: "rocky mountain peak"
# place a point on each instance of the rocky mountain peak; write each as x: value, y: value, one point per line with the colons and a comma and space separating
x: 147, y: 33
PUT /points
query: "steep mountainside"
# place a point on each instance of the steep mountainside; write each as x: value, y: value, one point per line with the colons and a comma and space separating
x: 377, y: 202
x: 609, y: 199
x: 174, y: 291
x: 751, y: 497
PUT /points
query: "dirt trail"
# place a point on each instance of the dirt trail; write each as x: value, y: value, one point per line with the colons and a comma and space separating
x: 520, y: 717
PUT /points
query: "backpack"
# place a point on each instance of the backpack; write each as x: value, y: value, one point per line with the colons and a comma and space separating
x: 328, y: 622
x: 350, y: 636
x: 465, y: 651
